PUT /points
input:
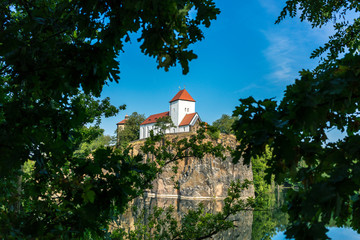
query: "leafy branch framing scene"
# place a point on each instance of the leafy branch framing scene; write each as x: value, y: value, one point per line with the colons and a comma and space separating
x: 271, y: 167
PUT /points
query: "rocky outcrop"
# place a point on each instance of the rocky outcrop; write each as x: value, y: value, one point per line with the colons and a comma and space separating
x: 206, y: 178
x: 204, y: 181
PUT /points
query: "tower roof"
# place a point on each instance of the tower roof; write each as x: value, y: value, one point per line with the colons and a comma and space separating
x: 123, y: 121
x: 182, y: 95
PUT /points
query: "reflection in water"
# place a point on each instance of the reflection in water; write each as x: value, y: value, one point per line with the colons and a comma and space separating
x: 267, y: 223
x: 269, y: 220
x: 335, y: 233
x: 255, y: 225
x: 144, y: 206
x: 249, y: 224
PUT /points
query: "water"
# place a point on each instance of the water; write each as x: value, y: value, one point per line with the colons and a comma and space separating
x: 251, y: 225
x: 334, y: 233
x: 243, y: 219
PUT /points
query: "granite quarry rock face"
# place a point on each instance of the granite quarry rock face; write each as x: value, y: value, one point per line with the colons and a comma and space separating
x: 206, y: 178
x: 204, y: 181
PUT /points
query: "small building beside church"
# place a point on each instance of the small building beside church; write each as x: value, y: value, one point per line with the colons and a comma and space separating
x: 121, y: 125
x: 182, y: 113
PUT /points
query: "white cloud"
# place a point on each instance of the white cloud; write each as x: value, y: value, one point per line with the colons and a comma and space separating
x: 248, y: 88
x: 280, y: 55
x: 283, y: 56
x: 286, y: 44
x: 289, y: 48
x: 271, y: 6
x: 290, y: 44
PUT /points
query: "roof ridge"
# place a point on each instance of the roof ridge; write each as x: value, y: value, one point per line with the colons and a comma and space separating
x: 187, y: 119
x: 153, y: 118
x: 182, y: 95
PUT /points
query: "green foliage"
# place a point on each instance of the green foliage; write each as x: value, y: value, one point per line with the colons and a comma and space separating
x: 296, y: 128
x: 51, y: 49
x: 268, y: 216
x: 131, y: 131
x: 28, y: 168
x: 269, y: 219
x: 77, y: 197
x: 224, y: 124
x: 263, y: 188
x: 95, y: 139
x: 213, y: 132
x: 162, y: 124
x: 170, y: 150
x: 55, y: 57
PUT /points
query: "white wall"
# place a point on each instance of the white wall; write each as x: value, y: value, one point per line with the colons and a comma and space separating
x: 179, y: 109
x: 193, y: 121
x: 145, y: 130
x: 174, y: 106
x: 184, y: 128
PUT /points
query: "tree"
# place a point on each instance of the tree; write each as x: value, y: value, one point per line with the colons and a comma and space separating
x: 55, y: 56
x: 296, y: 128
x: 262, y: 187
x: 131, y: 130
x: 98, y: 140
x: 162, y: 124
x: 268, y: 219
x: 224, y: 124
x: 50, y: 49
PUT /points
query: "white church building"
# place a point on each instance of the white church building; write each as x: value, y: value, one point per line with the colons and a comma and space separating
x: 182, y: 113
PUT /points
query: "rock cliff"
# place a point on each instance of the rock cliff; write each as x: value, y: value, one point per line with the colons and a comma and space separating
x: 206, y: 178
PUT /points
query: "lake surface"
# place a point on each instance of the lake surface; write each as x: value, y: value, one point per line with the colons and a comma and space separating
x: 144, y: 206
x: 334, y: 233
x: 251, y: 225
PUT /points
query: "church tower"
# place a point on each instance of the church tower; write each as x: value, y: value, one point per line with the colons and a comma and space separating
x: 180, y: 105
x: 182, y: 113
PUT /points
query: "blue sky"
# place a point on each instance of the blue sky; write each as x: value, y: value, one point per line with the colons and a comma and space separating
x: 243, y: 54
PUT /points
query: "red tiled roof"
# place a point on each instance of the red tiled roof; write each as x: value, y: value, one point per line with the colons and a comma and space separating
x: 153, y: 118
x: 187, y: 119
x: 182, y: 95
x: 121, y: 122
